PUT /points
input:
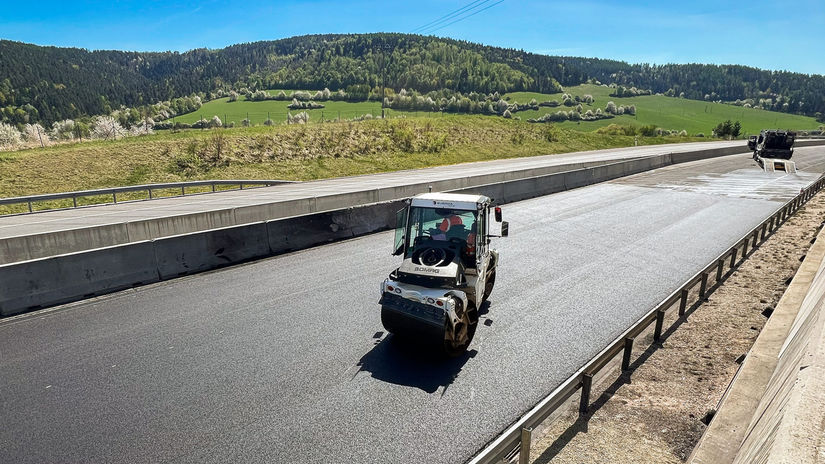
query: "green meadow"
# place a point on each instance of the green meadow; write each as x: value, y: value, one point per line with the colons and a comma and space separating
x: 258, y: 111
x: 666, y: 112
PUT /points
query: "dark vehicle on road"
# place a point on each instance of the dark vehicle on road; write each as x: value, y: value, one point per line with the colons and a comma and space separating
x: 773, y: 143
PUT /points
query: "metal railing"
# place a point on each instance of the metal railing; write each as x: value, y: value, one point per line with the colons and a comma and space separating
x: 516, y: 439
x: 148, y: 188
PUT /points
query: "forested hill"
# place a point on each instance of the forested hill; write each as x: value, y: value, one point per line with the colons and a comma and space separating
x: 47, y: 84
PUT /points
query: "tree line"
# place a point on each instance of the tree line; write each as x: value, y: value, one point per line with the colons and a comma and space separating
x: 48, y: 84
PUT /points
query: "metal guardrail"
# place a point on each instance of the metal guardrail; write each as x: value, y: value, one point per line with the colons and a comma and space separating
x: 149, y: 188
x: 516, y: 439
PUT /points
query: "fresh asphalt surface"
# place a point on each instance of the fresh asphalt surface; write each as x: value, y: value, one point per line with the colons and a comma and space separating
x: 285, y: 359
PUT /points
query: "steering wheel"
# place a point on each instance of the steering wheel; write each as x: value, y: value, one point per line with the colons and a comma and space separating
x: 432, y: 256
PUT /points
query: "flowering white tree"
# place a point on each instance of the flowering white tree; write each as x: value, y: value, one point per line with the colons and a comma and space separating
x: 106, y: 127
x: 610, y: 108
x: 300, y: 118
x: 35, y: 134
x: 63, y: 130
x: 233, y: 96
x: 215, y: 122
x: 10, y: 137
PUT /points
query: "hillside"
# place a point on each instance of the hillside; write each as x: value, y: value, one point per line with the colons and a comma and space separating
x: 48, y: 84
x: 298, y: 152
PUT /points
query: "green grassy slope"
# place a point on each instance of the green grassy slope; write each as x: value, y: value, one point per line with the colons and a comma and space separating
x: 667, y: 112
x: 298, y: 152
x: 277, y: 110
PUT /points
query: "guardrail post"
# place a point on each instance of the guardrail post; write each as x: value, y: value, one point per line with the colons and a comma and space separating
x: 660, y: 320
x: 114, y: 197
x: 526, y: 438
x: 587, y: 383
x: 733, y: 257
x: 719, y: 267
x: 683, y: 302
x: 764, y: 231
x: 745, y: 247
x: 755, y: 239
x: 30, y: 206
x: 74, y: 200
x: 703, y: 286
x: 628, y: 350
x: 182, y: 191
x: 213, y: 186
x: 241, y: 185
x: 150, y: 193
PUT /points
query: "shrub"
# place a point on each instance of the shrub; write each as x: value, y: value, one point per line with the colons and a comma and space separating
x: 258, y: 95
x: 106, y: 127
x: 36, y: 134
x: 200, y: 124
x: 63, y: 130
x: 617, y: 129
x: 300, y: 118
x: 507, y: 114
x: 630, y: 109
x: 233, y: 96
x: 10, y: 137
x: 648, y: 130
x: 587, y: 98
x: 215, y: 122
x: 245, y: 122
x: 269, y: 122
x: 301, y: 95
x: 610, y: 108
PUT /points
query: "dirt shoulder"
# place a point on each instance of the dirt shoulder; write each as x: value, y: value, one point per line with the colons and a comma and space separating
x: 657, y: 411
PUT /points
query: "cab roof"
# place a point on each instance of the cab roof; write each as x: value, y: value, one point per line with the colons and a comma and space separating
x: 449, y: 200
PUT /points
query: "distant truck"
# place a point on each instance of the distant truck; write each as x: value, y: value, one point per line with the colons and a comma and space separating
x: 772, y: 150
x: 772, y: 143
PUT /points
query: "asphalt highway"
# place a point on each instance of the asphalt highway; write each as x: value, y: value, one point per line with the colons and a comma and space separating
x: 285, y: 359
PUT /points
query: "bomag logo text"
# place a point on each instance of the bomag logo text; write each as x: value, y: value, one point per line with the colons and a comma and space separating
x: 427, y: 269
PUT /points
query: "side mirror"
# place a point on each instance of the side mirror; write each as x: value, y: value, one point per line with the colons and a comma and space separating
x: 498, y: 213
x: 505, y: 229
x: 400, y: 231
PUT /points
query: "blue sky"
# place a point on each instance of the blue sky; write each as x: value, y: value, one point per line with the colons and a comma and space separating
x: 790, y: 37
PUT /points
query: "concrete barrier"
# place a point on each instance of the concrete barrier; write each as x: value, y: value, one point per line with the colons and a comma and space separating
x: 59, y: 279
x: 169, y: 257
x: 201, y: 251
x: 299, y: 232
x: 26, y: 247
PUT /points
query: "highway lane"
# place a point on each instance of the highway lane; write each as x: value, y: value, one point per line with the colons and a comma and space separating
x: 285, y: 359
